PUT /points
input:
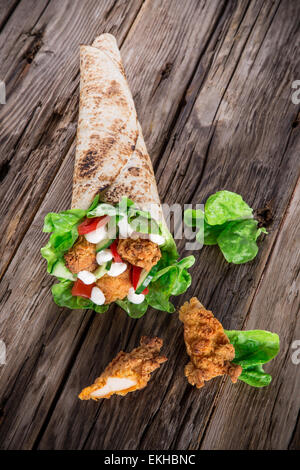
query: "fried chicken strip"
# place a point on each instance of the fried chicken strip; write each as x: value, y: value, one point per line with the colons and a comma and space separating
x: 207, y: 345
x: 128, y: 371
x: 115, y: 288
x: 82, y: 256
x: 140, y: 252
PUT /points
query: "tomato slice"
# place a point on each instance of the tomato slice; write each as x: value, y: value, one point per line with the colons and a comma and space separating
x: 136, y: 272
x: 114, y: 252
x: 80, y: 289
x: 145, y: 291
x: 89, y: 225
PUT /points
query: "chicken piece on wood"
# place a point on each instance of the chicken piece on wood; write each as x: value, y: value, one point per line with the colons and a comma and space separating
x: 81, y: 257
x: 140, y: 252
x: 207, y: 345
x: 128, y: 371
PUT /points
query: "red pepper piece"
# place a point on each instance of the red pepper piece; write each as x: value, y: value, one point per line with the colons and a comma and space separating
x: 114, y: 252
x: 80, y: 289
x: 89, y: 225
x: 135, y: 276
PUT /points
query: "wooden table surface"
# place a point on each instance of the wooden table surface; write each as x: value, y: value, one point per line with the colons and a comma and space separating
x: 212, y: 83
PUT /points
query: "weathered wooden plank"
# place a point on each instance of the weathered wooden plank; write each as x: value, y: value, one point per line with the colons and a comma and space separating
x: 173, y: 42
x: 19, y: 429
x: 170, y: 413
x: 295, y: 439
x: 265, y: 418
x: 229, y: 117
x: 28, y: 353
x: 6, y: 10
x: 40, y: 66
x: 39, y: 118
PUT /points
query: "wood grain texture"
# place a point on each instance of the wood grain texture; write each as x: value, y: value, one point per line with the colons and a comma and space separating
x: 40, y: 66
x: 268, y: 417
x: 177, y: 417
x: 14, y: 424
x: 6, y: 10
x: 26, y: 352
x: 39, y: 119
x: 212, y: 85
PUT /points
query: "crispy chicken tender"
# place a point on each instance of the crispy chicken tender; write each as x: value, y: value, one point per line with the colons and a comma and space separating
x: 207, y: 345
x: 81, y: 257
x: 128, y: 371
x: 115, y: 288
x: 140, y: 252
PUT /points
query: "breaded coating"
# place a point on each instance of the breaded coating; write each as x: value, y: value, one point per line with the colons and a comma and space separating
x: 115, y: 288
x: 141, y: 252
x: 81, y: 257
x: 128, y: 371
x: 207, y: 345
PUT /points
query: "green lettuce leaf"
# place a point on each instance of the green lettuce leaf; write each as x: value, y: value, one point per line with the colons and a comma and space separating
x: 225, y: 206
x: 254, y: 348
x: 62, y: 221
x: 144, y: 225
x: 63, y: 297
x: 102, y: 209
x: 238, y: 241
x: 227, y: 221
x: 255, y: 376
x: 94, y: 203
x: 171, y: 280
x: 133, y: 310
x: 58, y: 244
x: 206, y: 234
x: 168, y: 249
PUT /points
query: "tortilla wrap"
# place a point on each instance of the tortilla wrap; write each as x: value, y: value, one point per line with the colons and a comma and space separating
x: 111, y: 155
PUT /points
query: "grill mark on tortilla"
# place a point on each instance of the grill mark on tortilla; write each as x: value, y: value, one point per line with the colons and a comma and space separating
x: 128, y: 173
x: 94, y: 158
x: 134, y: 171
x: 88, y: 164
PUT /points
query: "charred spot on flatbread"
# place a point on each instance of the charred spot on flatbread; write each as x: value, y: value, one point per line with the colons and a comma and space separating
x: 134, y: 171
x: 111, y: 156
x: 113, y: 89
x: 87, y: 165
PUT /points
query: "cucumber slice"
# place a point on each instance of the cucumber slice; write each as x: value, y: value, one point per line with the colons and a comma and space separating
x: 60, y: 270
x: 145, y: 279
x: 108, y: 265
x: 104, y: 244
x: 101, y: 270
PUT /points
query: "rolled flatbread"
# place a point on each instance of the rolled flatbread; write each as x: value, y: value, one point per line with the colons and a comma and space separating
x: 112, y: 161
x: 111, y: 155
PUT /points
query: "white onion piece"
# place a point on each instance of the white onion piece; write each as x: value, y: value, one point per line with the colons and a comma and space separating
x: 104, y: 256
x: 97, y: 235
x: 86, y: 277
x: 97, y: 296
x: 116, y: 269
x: 158, y: 239
x: 135, y: 298
x: 125, y: 231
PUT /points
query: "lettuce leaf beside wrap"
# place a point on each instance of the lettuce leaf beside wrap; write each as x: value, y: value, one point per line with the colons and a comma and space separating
x: 253, y: 348
x: 227, y: 221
